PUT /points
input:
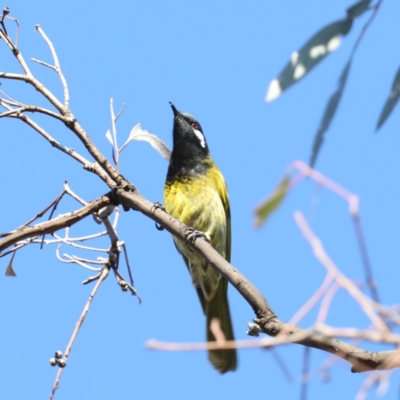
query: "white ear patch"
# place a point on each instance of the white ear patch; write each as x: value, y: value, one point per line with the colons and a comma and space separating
x: 200, y: 136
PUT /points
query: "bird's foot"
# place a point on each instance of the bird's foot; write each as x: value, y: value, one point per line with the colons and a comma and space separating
x: 158, y: 205
x: 192, y: 235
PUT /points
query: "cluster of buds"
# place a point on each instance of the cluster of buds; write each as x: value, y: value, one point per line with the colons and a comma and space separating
x: 58, y: 359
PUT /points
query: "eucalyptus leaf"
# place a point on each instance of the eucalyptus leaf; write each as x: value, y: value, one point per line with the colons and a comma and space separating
x: 329, y: 113
x: 272, y: 202
x: 303, y: 61
x: 358, y: 8
x: 391, y: 101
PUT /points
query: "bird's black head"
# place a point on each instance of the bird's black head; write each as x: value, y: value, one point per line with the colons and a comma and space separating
x: 188, y: 133
x: 190, y: 152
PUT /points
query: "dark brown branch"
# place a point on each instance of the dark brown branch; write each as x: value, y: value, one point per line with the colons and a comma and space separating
x: 54, y: 225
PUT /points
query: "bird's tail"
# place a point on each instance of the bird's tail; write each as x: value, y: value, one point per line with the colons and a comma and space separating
x: 218, y: 307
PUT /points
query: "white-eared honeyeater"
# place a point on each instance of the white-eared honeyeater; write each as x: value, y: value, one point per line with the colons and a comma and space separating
x: 196, y: 193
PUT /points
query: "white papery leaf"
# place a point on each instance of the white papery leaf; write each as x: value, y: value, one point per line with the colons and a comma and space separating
x: 110, y: 138
x: 137, y: 133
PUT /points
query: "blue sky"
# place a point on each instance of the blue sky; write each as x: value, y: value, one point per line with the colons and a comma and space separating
x: 215, y: 61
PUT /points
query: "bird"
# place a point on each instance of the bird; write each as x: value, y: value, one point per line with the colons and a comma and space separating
x: 195, y: 193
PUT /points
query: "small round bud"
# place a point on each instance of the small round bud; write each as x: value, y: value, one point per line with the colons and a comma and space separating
x: 58, y: 354
x: 6, y: 11
x: 53, y: 362
x: 124, y: 285
x: 62, y: 363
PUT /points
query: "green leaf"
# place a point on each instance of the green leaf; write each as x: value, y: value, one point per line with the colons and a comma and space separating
x: 358, y: 8
x: 304, y: 60
x: 391, y: 101
x: 329, y: 113
x: 272, y: 202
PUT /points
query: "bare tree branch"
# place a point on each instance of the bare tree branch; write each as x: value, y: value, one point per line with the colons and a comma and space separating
x: 67, y: 117
x: 17, y: 111
x: 102, y: 277
x: 56, y: 66
x: 55, y: 224
x: 130, y: 198
x: 361, y: 360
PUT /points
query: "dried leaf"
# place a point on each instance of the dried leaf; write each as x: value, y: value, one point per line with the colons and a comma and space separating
x: 272, y: 202
x: 137, y: 133
x: 303, y: 61
x: 10, y: 270
x: 110, y: 138
x: 329, y: 113
x: 391, y: 101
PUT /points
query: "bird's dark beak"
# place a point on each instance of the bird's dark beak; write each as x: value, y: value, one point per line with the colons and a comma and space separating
x: 176, y: 112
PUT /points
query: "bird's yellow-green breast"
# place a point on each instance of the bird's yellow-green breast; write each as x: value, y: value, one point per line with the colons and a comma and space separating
x: 195, y: 193
x: 201, y: 202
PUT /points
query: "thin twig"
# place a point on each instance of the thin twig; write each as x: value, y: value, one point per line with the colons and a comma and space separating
x: 25, y: 108
x: 10, y: 100
x: 18, y: 246
x: 128, y: 286
x: 281, y: 363
x: 6, y: 10
x: 51, y: 214
x: 127, y: 262
x: 70, y: 242
x: 41, y: 213
x: 114, y: 135
x: 365, y: 258
x: 73, y: 194
x: 343, y: 281
x: 326, y: 302
x: 78, y: 325
x: 56, y: 66
x: 316, y: 297
x: 17, y: 55
x: 114, y: 178
x: 370, y: 335
x: 120, y: 112
x: 58, y: 223
x: 306, y: 366
x: 72, y: 260
x: 308, y: 172
x: 353, y: 201
x: 95, y: 168
x: 376, y: 378
x: 364, y: 29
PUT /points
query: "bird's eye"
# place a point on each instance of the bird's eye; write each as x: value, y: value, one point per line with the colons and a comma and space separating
x: 194, y: 125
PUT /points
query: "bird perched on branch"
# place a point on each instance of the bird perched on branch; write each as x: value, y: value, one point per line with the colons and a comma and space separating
x: 196, y: 193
